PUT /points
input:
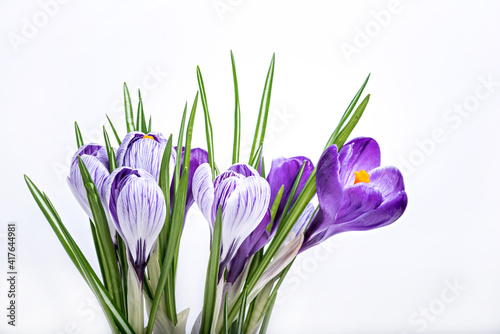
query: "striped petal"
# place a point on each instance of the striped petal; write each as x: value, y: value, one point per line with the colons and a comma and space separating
x: 243, y: 212
x: 203, y: 191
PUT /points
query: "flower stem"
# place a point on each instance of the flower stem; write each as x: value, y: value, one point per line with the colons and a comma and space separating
x: 135, y: 301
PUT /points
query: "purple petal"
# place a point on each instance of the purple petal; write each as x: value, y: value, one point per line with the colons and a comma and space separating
x: 244, y: 169
x: 96, y: 160
x: 387, y: 213
x: 283, y: 173
x: 141, y: 214
x: 223, y: 192
x: 303, y: 220
x: 388, y: 180
x: 358, y: 199
x: 243, y: 212
x: 255, y: 241
x: 358, y: 154
x: 330, y: 192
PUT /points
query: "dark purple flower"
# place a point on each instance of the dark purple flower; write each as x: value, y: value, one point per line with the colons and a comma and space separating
x: 354, y: 192
x: 284, y: 172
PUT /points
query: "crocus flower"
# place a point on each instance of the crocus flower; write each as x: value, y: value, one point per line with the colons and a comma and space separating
x: 144, y: 151
x: 243, y: 196
x: 95, y: 158
x: 354, y: 192
x: 198, y: 156
x: 137, y: 209
x: 284, y: 172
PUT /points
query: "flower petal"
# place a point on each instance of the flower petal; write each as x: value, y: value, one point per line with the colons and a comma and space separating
x: 388, y: 179
x: 141, y: 215
x: 358, y: 199
x: 203, y: 191
x: 330, y: 192
x: 243, y: 212
x: 358, y: 154
x: 129, y: 139
x: 255, y: 241
x: 145, y: 154
x: 387, y: 213
x: 283, y: 173
x: 244, y: 169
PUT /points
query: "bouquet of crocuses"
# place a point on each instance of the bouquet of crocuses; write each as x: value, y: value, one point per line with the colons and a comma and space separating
x: 137, y: 198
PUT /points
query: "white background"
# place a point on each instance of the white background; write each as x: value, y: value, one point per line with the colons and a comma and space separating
x: 428, y: 61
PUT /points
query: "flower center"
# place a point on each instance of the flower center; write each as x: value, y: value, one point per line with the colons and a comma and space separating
x: 149, y: 137
x: 361, y: 176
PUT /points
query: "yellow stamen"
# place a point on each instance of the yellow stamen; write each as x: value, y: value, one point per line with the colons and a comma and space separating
x: 149, y: 137
x: 361, y: 176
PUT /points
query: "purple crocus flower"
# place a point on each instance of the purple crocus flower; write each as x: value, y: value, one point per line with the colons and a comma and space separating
x: 137, y: 209
x: 198, y: 156
x: 243, y: 196
x: 140, y: 150
x: 95, y: 158
x: 354, y: 192
x: 284, y: 172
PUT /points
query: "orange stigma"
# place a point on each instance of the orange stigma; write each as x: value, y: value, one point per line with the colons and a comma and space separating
x: 361, y: 176
x: 149, y: 137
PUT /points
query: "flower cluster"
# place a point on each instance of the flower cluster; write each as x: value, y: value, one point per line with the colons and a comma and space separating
x: 137, y: 198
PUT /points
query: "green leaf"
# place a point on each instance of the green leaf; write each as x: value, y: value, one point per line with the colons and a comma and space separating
x: 178, y: 159
x: 208, y: 124
x: 225, y: 325
x: 98, y: 250
x: 347, y: 112
x: 149, y: 124
x: 257, y: 158
x: 275, y: 207
x: 164, y: 183
x: 78, y: 134
x: 110, y: 151
x: 129, y: 113
x: 113, y: 314
x: 212, y: 277
x: 114, y: 131
x: 241, y: 315
x: 109, y: 259
x: 144, y: 127
x: 237, y: 115
x: 260, y: 129
x: 346, y: 131
x: 291, y: 196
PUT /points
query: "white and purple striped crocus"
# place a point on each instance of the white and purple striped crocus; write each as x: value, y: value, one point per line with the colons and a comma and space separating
x: 141, y: 150
x: 354, y: 192
x: 96, y: 160
x: 243, y: 196
x: 136, y: 206
x: 283, y: 172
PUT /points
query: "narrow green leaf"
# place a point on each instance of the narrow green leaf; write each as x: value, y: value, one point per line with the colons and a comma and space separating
x: 98, y: 250
x: 260, y: 129
x: 178, y: 160
x: 237, y: 115
x: 109, y: 150
x: 113, y: 314
x: 241, y: 315
x: 78, y: 134
x: 208, y: 123
x: 129, y: 113
x: 257, y: 158
x: 346, y: 131
x: 225, y: 324
x: 212, y: 277
x: 172, y: 246
x: 149, y: 125
x: 114, y: 131
x: 164, y: 183
x: 109, y: 258
x: 347, y: 112
x: 275, y: 207
x: 293, y: 191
